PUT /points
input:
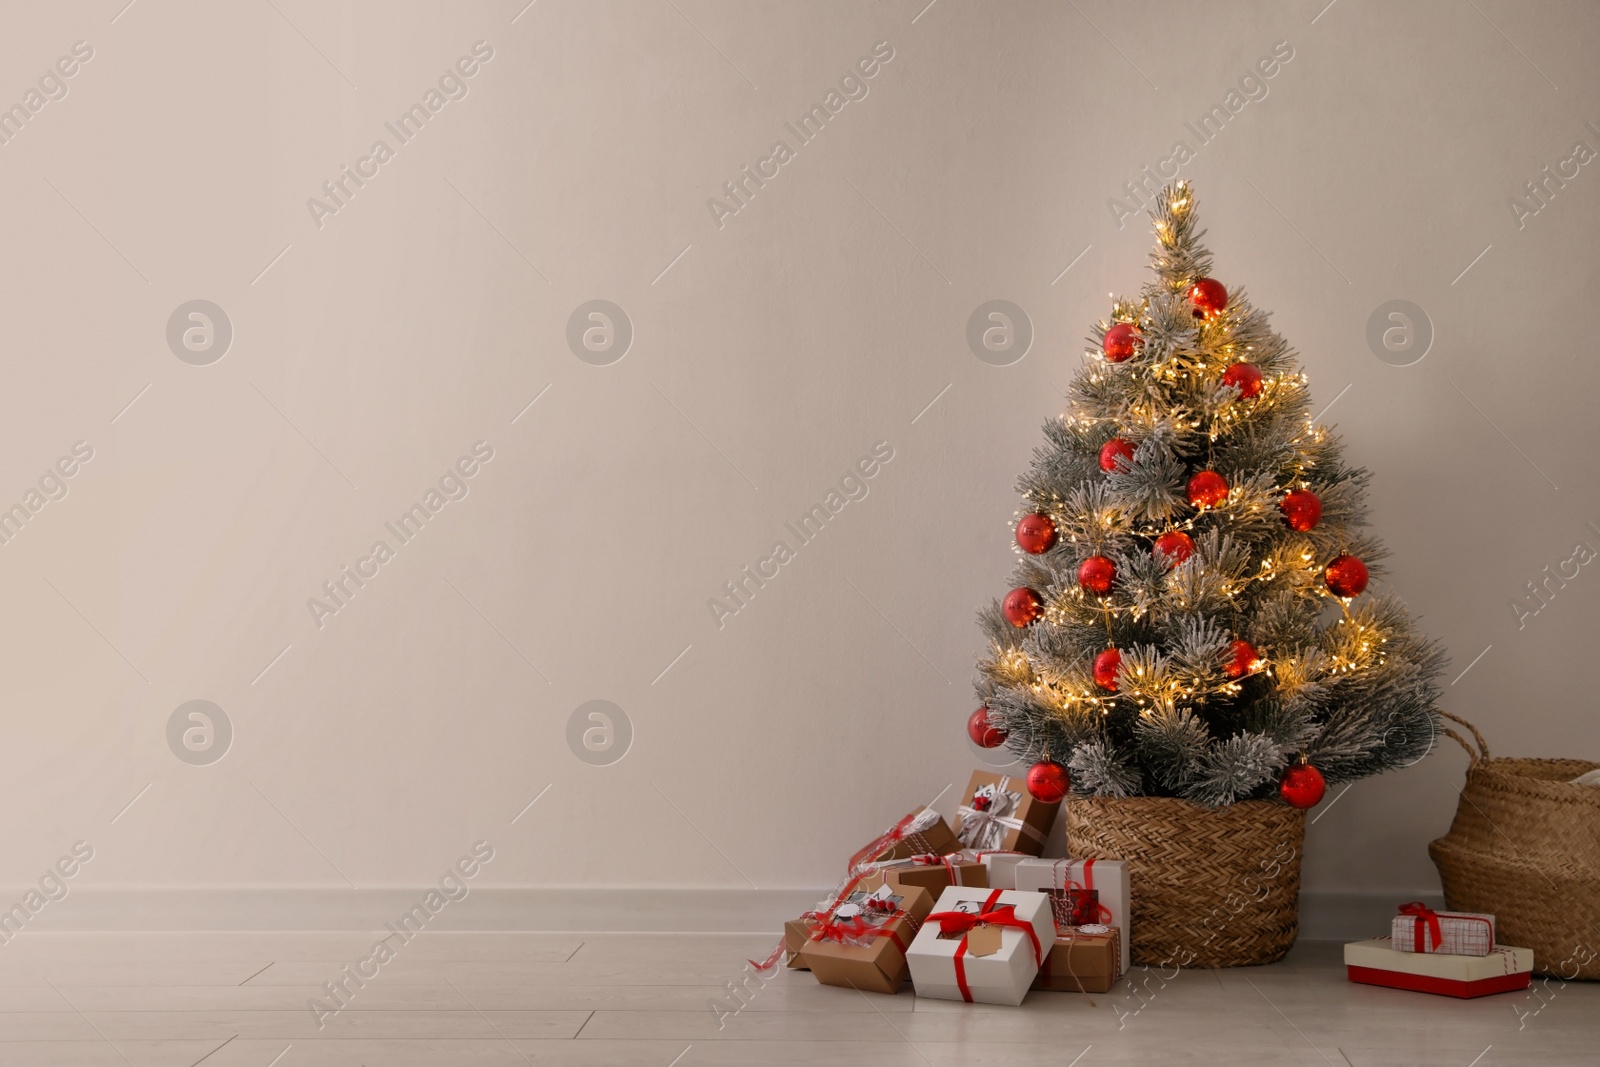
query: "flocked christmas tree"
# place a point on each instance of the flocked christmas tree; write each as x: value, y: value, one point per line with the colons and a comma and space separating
x: 1191, y: 615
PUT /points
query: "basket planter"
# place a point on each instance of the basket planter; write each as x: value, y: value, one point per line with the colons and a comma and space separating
x: 1525, y: 847
x: 1211, y: 887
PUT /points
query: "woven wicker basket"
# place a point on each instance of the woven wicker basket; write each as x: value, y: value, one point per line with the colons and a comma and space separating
x: 1211, y: 887
x: 1525, y: 848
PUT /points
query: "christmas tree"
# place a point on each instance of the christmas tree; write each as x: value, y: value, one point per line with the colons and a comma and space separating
x: 1191, y: 615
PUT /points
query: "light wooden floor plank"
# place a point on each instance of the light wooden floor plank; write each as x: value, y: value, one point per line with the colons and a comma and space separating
x: 489, y: 1000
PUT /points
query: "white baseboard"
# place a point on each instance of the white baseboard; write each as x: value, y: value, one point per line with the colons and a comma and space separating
x: 1324, y: 915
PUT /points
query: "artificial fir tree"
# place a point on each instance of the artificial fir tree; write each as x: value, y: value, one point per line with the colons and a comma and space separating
x: 1190, y: 615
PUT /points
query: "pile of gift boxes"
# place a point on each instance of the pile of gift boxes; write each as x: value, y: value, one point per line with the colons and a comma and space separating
x: 972, y: 912
x: 1447, y: 952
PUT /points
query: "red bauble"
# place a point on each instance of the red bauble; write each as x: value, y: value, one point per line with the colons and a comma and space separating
x: 1173, y: 547
x: 984, y: 733
x: 1302, y: 509
x: 1346, y: 576
x: 1097, y: 574
x: 1207, y: 489
x: 1242, y: 657
x: 1047, y: 781
x: 1121, y: 341
x: 1036, y: 533
x: 1208, y: 298
x: 1302, y: 785
x: 1022, y: 606
x: 1106, y: 666
x: 1115, y: 449
x: 1246, y: 377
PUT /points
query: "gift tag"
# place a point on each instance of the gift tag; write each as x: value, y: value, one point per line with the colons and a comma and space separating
x: 983, y: 940
x: 883, y: 898
x: 1094, y: 929
x: 847, y: 911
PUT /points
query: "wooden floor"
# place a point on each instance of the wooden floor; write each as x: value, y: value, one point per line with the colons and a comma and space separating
x: 463, y: 999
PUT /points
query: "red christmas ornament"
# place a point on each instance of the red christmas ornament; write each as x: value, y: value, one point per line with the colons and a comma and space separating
x: 1036, y: 533
x: 1208, y: 298
x: 1207, y: 489
x: 984, y: 733
x: 1022, y: 606
x: 1302, y: 785
x: 1242, y: 659
x: 1106, y: 666
x: 1173, y: 547
x: 1047, y: 781
x: 1246, y: 377
x: 1097, y: 574
x: 1302, y: 509
x: 1115, y: 449
x: 1346, y: 576
x: 1121, y: 341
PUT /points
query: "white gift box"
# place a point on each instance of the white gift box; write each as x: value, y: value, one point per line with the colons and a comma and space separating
x: 1002, y: 867
x: 941, y: 967
x: 1108, y: 877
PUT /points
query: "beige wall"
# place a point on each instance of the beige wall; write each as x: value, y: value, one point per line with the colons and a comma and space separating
x: 768, y: 355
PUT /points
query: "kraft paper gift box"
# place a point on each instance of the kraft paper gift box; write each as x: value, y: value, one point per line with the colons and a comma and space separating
x: 999, y: 813
x: 1084, y: 959
x: 1108, y: 879
x: 922, y: 833
x: 795, y: 934
x: 934, y: 874
x: 1378, y: 962
x: 981, y: 945
x: 1418, y: 928
x: 861, y: 943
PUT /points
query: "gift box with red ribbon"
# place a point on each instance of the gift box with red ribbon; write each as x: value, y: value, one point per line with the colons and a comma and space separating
x: 1418, y: 928
x: 1087, y: 890
x: 999, y: 813
x: 1084, y: 959
x: 921, y: 833
x: 861, y: 941
x: 936, y: 873
x: 1378, y: 962
x: 981, y: 945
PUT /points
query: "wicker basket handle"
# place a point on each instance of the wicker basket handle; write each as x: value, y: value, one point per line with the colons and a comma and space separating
x: 1481, y: 752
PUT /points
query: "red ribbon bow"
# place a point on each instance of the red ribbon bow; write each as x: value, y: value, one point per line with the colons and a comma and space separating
x: 1427, y: 925
x: 858, y: 929
x: 1102, y: 914
x: 962, y: 922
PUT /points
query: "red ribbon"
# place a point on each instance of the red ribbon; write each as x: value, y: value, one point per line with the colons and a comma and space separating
x: 962, y: 922
x: 1102, y: 914
x: 858, y: 928
x: 1427, y: 924
x: 874, y: 848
